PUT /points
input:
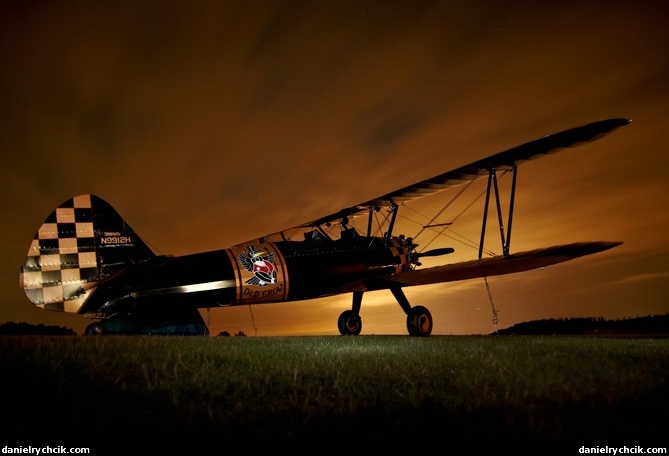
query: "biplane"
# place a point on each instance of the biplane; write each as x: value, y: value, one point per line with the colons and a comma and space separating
x: 86, y: 259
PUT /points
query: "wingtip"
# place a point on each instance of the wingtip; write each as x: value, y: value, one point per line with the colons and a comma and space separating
x: 607, y: 245
x: 616, y: 122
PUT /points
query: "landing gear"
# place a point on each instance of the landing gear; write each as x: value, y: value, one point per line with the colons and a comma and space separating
x: 419, y: 319
x: 349, y: 323
x: 419, y: 322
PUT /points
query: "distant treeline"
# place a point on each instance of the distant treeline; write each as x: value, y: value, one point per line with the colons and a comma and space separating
x: 25, y: 329
x: 657, y: 324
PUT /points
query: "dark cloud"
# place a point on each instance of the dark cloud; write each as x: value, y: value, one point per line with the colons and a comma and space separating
x: 210, y: 123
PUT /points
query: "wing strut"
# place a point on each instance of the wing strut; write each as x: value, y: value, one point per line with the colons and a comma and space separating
x: 393, y: 210
x: 369, y: 221
x: 492, y: 184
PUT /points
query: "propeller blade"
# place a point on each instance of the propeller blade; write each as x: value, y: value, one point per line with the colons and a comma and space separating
x: 435, y: 252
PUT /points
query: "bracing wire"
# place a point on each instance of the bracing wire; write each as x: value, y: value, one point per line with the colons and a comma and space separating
x: 253, y: 321
x: 495, y: 319
x: 462, y: 239
x: 454, y: 236
x: 446, y: 206
x: 471, y: 243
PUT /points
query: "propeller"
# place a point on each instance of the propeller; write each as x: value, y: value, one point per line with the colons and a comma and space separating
x: 414, y: 256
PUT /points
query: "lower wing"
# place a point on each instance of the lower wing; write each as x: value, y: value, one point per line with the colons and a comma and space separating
x: 487, y: 267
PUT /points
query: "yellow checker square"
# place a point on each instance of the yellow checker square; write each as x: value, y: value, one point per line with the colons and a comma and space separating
x: 73, y: 305
x: 67, y: 245
x: 48, y: 231
x: 50, y: 262
x: 84, y: 230
x: 53, y: 294
x: 82, y: 201
x: 34, y: 248
x: 65, y: 215
x: 87, y: 260
x: 70, y: 275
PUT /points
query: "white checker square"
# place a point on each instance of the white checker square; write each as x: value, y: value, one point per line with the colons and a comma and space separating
x: 32, y: 280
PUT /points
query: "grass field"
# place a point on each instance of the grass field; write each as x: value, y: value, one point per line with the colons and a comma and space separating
x: 463, y: 390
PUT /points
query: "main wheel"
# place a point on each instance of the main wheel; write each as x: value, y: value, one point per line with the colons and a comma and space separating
x: 95, y: 329
x: 419, y: 322
x: 349, y: 323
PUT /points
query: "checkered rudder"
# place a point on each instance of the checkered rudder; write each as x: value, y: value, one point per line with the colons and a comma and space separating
x: 76, y: 246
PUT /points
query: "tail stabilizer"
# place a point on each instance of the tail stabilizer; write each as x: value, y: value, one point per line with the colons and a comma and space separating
x: 83, y: 241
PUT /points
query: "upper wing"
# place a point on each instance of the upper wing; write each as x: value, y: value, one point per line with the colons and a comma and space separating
x: 502, y: 160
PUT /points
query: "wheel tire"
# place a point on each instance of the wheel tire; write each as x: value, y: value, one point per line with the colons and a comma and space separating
x: 419, y: 322
x: 349, y: 323
x: 95, y: 329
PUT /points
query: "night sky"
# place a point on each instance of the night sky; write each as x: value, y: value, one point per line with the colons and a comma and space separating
x: 206, y: 124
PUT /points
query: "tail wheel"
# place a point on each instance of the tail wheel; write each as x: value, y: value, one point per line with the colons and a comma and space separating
x: 419, y: 322
x: 95, y: 329
x: 349, y: 323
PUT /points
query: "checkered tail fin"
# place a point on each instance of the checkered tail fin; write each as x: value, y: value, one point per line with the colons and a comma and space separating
x: 82, y: 242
